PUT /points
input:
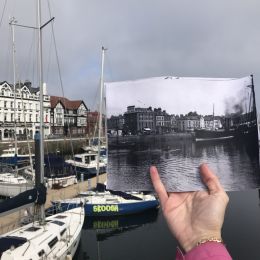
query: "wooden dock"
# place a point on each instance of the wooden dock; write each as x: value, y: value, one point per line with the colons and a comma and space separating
x: 12, y: 221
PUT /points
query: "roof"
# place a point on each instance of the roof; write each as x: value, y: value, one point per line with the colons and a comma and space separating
x: 20, y: 85
x: 66, y: 103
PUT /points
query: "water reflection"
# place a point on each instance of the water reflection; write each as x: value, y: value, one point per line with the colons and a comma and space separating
x: 236, y: 164
x: 97, y: 233
x: 153, y: 241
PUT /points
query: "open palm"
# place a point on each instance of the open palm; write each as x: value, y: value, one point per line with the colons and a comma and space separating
x: 193, y: 216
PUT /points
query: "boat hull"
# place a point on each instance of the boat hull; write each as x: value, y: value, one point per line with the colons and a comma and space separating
x: 106, y: 210
x: 89, y: 170
x: 208, y: 135
x: 20, y: 160
x: 58, y: 239
x: 11, y: 190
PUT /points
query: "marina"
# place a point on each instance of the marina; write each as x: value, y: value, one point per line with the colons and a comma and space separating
x: 117, y: 237
x: 80, y: 129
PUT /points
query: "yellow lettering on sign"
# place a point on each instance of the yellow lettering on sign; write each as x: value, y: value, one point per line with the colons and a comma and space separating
x: 105, y: 224
x: 105, y: 208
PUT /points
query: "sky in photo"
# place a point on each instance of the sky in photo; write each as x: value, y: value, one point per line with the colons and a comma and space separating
x: 180, y: 95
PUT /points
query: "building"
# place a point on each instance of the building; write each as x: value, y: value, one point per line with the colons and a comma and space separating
x: 116, y: 125
x: 20, y: 109
x: 210, y: 124
x: 137, y: 119
x: 190, y: 122
x: 162, y: 121
x: 68, y: 117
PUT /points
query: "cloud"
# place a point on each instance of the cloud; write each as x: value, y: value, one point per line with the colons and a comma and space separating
x: 144, y: 39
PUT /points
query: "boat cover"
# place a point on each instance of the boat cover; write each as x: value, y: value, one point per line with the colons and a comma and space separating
x: 23, y: 200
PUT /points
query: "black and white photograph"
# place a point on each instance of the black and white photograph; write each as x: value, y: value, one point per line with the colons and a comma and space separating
x: 177, y: 123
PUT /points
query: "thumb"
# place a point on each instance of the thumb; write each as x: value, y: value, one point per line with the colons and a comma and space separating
x: 210, y: 179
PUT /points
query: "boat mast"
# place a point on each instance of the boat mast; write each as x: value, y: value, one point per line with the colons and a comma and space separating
x: 253, y: 92
x: 12, y: 22
x: 100, y: 110
x: 40, y: 77
x: 213, y: 125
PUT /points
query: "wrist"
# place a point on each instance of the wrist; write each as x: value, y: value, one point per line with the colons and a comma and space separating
x: 199, y: 240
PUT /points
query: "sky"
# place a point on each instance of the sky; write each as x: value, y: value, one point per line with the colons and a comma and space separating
x: 148, y: 38
x: 179, y: 95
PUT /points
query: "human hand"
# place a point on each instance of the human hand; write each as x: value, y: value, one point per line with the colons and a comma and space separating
x: 193, y: 216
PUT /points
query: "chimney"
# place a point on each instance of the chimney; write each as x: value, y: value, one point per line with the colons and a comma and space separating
x: 44, y: 89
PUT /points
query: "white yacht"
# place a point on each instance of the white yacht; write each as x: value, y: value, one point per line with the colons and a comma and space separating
x: 86, y: 163
x: 57, y: 239
x: 12, y: 184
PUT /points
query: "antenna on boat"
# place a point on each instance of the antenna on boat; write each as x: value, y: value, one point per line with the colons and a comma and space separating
x: 100, y: 109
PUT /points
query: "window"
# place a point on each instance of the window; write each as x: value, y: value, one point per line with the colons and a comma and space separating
x: 53, y: 242
x: 41, y: 253
x: 57, y: 222
x: 5, y: 104
x: 61, y: 217
x: 62, y: 232
x: 32, y: 229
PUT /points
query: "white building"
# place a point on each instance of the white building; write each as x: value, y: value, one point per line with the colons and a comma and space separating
x: 190, y: 123
x: 22, y: 108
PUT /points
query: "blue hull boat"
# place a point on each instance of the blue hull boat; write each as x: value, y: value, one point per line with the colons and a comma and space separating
x: 106, y: 204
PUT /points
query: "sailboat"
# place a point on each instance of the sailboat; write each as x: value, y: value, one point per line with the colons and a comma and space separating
x: 54, y: 237
x: 12, y: 156
x: 102, y: 202
x: 11, y: 183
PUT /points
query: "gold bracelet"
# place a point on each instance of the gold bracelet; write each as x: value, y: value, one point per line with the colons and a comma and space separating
x: 211, y: 239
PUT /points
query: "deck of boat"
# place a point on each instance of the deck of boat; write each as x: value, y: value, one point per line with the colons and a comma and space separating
x: 10, y: 222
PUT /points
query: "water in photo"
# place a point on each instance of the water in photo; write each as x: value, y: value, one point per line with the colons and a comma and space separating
x: 178, y: 123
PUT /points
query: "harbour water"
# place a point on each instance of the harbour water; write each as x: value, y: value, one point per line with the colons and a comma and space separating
x: 146, y: 236
x: 149, y: 238
x: 235, y: 163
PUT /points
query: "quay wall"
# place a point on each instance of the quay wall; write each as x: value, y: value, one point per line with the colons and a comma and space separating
x: 64, y: 145
x: 10, y: 222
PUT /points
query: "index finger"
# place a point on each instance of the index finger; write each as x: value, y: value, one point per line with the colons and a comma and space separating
x: 158, y: 185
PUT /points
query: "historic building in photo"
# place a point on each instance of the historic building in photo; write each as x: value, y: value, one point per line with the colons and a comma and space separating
x: 20, y: 109
x: 137, y: 119
x: 190, y: 122
x: 68, y: 117
x: 162, y: 121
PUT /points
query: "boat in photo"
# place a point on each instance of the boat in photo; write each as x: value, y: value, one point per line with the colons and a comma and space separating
x: 214, y: 134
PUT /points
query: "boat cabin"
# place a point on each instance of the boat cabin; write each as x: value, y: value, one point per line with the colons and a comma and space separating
x: 86, y: 158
